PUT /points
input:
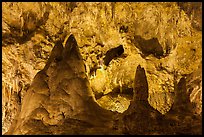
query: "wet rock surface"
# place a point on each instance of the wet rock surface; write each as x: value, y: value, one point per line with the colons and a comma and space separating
x: 165, y: 39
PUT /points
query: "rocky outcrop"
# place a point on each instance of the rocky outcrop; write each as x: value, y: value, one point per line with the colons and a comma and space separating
x: 145, y: 117
x: 194, y: 89
x: 164, y: 38
x: 59, y: 100
x: 182, y: 99
x: 140, y: 85
x: 181, y: 119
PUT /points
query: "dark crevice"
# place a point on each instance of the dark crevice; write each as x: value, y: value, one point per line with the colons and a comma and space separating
x: 150, y: 46
x: 98, y: 95
x: 94, y: 69
x: 72, y: 6
x: 123, y: 29
x: 112, y: 54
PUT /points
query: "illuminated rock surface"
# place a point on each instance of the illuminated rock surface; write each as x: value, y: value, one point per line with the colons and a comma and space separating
x: 164, y: 39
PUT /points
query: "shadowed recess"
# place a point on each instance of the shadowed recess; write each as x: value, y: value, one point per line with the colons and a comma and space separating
x: 112, y: 54
x: 150, y: 46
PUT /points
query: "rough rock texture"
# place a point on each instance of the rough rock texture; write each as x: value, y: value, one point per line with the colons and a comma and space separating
x: 140, y: 117
x: 163, y: 38
x: 60, y: 101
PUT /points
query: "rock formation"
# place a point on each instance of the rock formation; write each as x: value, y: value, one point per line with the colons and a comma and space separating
x: 143, y: 116
x: 59, y: 100
x: 165, y: 39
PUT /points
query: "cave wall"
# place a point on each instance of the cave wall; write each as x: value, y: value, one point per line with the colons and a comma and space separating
x: 164, y: 38
x: 60, y: 101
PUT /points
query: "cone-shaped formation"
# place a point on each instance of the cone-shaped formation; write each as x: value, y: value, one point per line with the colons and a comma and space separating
x: 56, y: 54
x: 140, y: 85
x: 60, y: 100
x: 182, y: 99
x: 180, y: 118
x: 140, y: 117
x: 71, y: 50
